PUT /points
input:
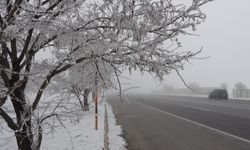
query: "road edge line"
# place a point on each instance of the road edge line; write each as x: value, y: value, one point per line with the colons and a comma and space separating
x: 193, y: 122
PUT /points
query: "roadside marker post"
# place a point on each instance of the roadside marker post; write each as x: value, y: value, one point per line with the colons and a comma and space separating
x: 96, y: 102
x: 96, y: 110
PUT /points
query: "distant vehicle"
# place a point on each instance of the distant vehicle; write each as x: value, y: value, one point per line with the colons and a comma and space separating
x: 219, y: 94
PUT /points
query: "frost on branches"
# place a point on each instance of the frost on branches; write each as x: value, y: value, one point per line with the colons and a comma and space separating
x: 82, y: 79
x: 40, y: 39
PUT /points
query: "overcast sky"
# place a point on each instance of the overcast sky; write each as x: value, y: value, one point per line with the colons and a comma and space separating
x: 225, y: 37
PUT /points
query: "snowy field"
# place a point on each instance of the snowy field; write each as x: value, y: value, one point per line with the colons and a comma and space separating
x: 76, y: 133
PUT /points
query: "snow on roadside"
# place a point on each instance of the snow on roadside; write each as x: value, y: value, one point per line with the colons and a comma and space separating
x: 78, y: 135
x: 75, y: 135
x: 116, y: 142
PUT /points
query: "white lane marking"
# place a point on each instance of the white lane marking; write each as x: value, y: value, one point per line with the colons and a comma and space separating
x: 196, y: 123
x: 239, y: 107
x: 199, y: 108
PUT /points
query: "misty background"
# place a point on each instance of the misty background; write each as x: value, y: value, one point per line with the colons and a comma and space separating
x: 224, y: 37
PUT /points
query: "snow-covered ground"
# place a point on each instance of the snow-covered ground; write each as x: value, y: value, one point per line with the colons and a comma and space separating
x: 75, y: 134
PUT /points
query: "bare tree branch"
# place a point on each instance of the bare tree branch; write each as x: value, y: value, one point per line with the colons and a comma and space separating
x: 8, y: 120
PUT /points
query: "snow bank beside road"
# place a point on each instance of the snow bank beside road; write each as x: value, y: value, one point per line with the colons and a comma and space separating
x: 76, y: 134
x: 116, y: 142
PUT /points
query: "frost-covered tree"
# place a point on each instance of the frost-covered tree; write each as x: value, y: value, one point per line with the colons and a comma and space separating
x: 58, y: 34
x: 83, y: 79
x: 224, y: 85
x: 194, y: 86
x: 241, y: 87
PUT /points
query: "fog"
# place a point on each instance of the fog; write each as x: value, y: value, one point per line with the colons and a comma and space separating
x: 224, y: 37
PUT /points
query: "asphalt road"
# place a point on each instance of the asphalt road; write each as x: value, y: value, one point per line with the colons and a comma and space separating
x: 160, y: 122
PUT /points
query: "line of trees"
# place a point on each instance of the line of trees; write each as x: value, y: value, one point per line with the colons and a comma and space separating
x: 106, y: 34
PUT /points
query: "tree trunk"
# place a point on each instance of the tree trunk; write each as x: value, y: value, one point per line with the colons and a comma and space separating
x: 77, y: 92
x: 24, y: 134
x: 85, y: 99
x: 24, y: 141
